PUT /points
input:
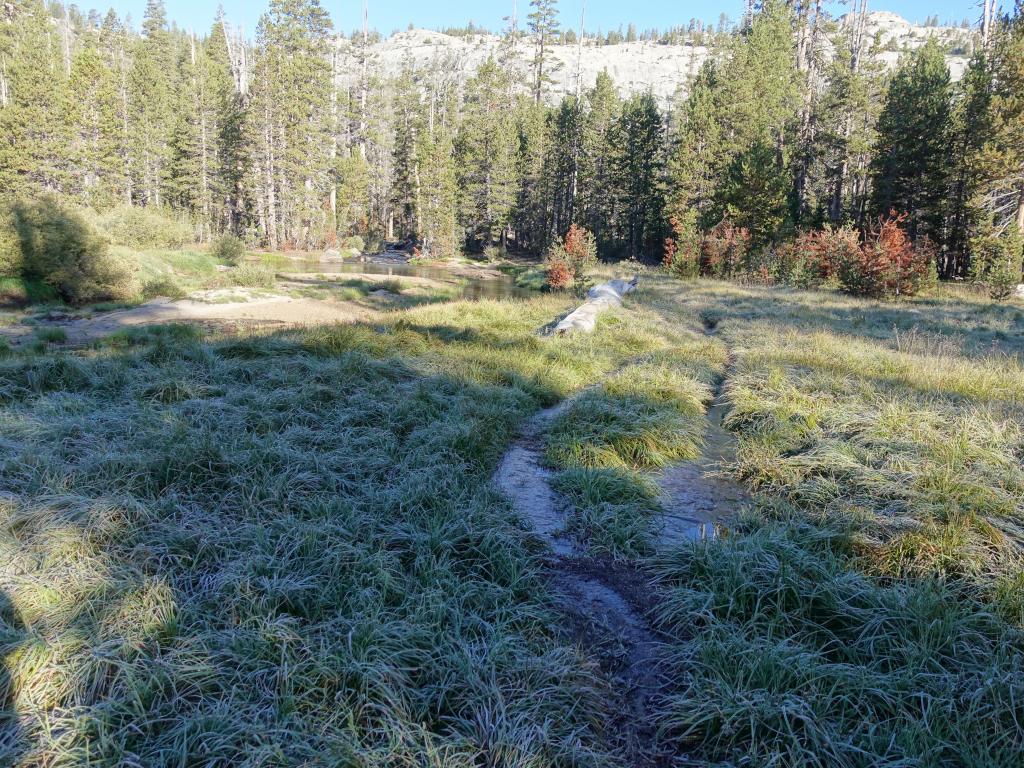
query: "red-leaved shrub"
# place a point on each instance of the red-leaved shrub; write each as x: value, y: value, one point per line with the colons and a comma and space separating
x: 724, y: 250
x: 568, y: 259
x: 888, y: 264
x: 559, y: 276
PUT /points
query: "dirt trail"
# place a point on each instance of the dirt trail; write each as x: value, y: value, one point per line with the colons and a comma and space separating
x: 605, y: 603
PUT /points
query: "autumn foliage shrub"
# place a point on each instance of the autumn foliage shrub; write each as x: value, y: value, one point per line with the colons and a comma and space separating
x: 724, y: 250
x: 559, y: 276
x: 888, y: 264
x: 568, y: 259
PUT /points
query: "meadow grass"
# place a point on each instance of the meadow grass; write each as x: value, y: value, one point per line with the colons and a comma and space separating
x: 286, y: 549
x: 867, y: 610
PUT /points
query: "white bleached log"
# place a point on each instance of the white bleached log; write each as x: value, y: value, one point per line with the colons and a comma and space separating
x: 599, y: 298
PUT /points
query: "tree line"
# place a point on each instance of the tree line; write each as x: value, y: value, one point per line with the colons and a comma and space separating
x: 294, y: 140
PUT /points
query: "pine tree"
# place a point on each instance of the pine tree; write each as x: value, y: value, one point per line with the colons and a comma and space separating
x: 1006, y: 149
x: 639, y: 177
x: 406, y: 177
x: 910, y: 171
x: 537, y: 151
x: 34, y: 135
x: 486, y: 156
x: 289, y: 123
x: 113, y: 43
x: 436, y: 150
x: 97, y: 167
x: 151, y: 96
x: 970, y: 127
x: 697, y: 150
x: 596, y: 192
x: 544, y: 28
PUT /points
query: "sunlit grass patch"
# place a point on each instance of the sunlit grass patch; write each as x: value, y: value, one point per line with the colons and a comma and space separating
x: 923, y: 451
x: 612, y: 509
x: 643, y: 417
x: 786, y: 654
x: 288, y: 524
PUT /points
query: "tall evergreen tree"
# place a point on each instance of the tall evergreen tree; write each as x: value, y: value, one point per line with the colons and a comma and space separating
x: 1006, y: 149
x: 544, y: 28
x: 152, y: 118
x: 696, y: 156
x: 595, y: 189
x: 93, y: 116
x: 487, y: 156
x: 34, y: 135
x: 289, y: 123
x: 910, y: 171
x: 639, y: 176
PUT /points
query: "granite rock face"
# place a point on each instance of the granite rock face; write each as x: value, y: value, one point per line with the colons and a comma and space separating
x: 635, y: 67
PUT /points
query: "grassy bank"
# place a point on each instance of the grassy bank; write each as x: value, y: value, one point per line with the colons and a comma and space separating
x: 868, y: 609
x: 288, y: 547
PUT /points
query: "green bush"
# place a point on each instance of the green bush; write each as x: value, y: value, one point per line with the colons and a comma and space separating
x: 997, y: 263
x: 10, y: 247
x: 138, y: 227
x: 162, y: 286
x: 61, y: 250
x: 252, y: 276
x: 354, y: 243
x: 682, y: 249
x: 229, y: 249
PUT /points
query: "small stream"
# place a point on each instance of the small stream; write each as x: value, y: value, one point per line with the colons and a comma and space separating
x: 492, y: 286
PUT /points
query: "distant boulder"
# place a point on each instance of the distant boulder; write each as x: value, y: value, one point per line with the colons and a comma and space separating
x: 331, y: 254
x: 1019, y: 293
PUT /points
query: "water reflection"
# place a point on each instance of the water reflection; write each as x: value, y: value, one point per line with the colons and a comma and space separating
x: 491, y: 287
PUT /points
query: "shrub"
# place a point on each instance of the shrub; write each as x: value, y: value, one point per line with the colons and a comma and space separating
x: 888, y: 264
x: 682, y: 248
x: 252, y: 276
x: 10, y: 248
x: 724, y: 250
x: 61, y: 250
x: 815, y: 256
x: 559, y: 276
x: 997, y: 263
x: 138, y: 227
x: 354, y: 243
x: 163, y: 286
x: 229, y: 249
x: 568, y: 259
x: 580, y: 249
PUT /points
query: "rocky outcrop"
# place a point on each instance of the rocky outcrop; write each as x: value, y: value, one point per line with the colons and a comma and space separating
x: 635, y: 67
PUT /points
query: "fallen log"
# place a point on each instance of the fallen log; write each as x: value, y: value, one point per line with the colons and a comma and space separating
x: 599, y: 298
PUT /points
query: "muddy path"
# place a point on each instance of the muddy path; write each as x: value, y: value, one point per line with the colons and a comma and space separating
x: 605, y: 604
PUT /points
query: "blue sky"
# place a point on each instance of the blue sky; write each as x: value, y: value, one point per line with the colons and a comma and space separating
x: 389, y: 15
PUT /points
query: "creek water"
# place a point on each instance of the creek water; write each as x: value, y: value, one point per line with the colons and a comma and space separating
x: 493, y: 285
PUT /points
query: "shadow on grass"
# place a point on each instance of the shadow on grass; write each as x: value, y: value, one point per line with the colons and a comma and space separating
x: 12, y: 632
x: 298, y: 554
